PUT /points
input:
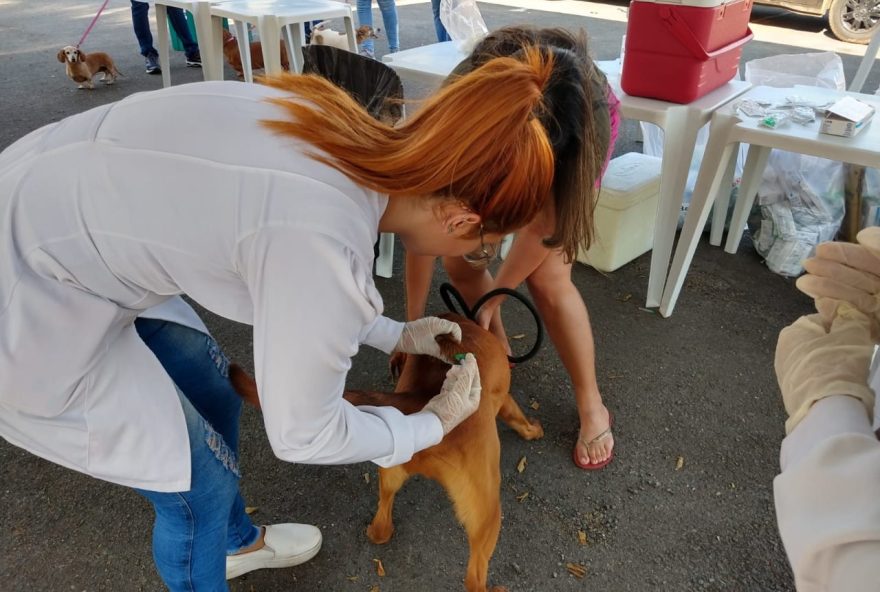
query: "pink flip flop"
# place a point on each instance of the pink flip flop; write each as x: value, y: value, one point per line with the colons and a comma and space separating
x: 602, y: 436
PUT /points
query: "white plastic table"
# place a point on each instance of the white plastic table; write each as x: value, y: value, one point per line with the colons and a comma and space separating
x: 680, y: 123
x: 270, y: 17
x: 727, y: 131
x: 208, y: 39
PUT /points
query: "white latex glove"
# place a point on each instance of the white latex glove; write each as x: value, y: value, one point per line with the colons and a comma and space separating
x: 845, y: 272
x: 420, y: 336
x: 460, y: 395
x: 812, y: 363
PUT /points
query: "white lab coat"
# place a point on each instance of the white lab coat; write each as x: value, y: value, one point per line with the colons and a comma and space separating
x: 113, y: 211
x: 828, y: 497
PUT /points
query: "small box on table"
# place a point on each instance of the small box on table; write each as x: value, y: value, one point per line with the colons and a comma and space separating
x: 846, y: 117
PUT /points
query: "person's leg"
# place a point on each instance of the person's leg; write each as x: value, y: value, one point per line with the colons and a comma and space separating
x: 442, y: 35
x: 198, y: 367
x: 190, y: 541
x: 140, y: 19
x: 473, y: 283
x: 568, y: 324
x: 190, y: 48
x: 389, y: 20
x: 365, y: 18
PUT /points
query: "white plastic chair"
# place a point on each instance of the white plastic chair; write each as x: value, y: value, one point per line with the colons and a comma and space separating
x: 270, y: 17
x: 207, y: 38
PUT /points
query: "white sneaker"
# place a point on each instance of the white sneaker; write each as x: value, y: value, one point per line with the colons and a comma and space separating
x: 286, y: 545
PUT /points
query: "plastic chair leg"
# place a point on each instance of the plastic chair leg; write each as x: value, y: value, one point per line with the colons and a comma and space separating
x: 210, y: 41
x: 679, y: 138
x: 244, y: 49
x: 722, y: 200
x: 295, y: 47
x: 385, y: 260
x: 163, y: 38
x: 752, y: 173
x: 349, y: 32
x: 706, y: 190
x: 270, y: 37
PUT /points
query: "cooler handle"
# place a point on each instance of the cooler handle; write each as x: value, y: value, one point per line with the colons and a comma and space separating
x: 687, y: 38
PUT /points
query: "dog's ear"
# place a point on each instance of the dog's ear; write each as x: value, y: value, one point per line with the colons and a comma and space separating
x: 80, y: 56
x: 61, y: 56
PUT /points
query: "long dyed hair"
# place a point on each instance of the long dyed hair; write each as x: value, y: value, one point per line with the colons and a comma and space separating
x: 479, y: 140
x: 576, y: 116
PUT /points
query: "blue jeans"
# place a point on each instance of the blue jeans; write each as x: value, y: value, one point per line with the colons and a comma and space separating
x: 194, y: 530
x: 442, y: 35
x: 389, y: 19
x: 140, y: 18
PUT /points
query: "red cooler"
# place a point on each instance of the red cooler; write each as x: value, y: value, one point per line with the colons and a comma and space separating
x: 679, y: 51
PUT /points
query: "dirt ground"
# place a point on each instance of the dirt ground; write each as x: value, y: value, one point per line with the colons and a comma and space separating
x: 687, y: 503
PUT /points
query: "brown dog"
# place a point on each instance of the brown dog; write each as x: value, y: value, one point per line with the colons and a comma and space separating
x: 467, y: 461
x: 233, y: 57
x: 82, y: 67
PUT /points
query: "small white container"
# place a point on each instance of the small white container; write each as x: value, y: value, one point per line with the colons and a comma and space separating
x: 625, y: 212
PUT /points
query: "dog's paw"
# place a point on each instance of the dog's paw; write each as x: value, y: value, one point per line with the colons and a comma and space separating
x: 379, y: 534
x: 534, y: 431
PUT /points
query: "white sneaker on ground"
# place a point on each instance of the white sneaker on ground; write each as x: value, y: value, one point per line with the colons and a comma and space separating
x: 286, y: 545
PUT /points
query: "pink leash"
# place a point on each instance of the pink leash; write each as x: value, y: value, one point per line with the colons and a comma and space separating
x: 92, y: 24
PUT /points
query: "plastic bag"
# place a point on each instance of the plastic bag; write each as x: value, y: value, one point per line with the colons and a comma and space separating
x: 801, y: 203
x: 801, y: 198
x: 823, y: 69
x: 652, y: 136
x: 463, y: 22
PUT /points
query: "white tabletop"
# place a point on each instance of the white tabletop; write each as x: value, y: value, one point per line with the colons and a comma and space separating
x: 863, y: 148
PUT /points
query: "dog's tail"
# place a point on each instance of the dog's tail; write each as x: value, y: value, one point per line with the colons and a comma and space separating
x: 244, y: 385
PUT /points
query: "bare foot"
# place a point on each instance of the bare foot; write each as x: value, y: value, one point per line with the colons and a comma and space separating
x: 595, y: 440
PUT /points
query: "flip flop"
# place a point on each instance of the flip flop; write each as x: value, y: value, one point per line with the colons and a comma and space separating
x: 602, y: 436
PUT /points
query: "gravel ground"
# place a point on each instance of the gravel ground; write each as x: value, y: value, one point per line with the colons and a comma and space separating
x: 686, y: 504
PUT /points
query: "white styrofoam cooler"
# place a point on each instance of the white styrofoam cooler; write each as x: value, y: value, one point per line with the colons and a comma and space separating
x: 625, y: 212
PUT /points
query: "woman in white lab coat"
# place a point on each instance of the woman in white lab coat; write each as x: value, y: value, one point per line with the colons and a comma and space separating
x: 828, y: 494
x: 262, y: 204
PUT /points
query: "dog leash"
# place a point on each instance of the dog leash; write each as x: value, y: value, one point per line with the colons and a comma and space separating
x: 92, y: 24
x: 448, y: 293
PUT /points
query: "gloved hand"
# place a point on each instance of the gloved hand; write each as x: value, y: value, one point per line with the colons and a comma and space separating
x: 812, y: 363
x: 460, y: 395
x: 846, y: 272
x: 420, y: 336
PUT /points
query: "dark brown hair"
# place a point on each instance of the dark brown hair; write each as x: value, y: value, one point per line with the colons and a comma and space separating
x: 577, y: 120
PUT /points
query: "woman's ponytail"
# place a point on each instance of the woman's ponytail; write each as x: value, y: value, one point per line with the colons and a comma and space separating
x: 480, y: 139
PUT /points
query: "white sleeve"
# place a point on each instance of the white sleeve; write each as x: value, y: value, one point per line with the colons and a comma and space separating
x: 310, y: 314
x: 828, y: 498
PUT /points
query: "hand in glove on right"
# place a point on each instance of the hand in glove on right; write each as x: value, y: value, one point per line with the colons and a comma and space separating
x: 459, y: 396
x: 813, y: 362
x: 845, y: 272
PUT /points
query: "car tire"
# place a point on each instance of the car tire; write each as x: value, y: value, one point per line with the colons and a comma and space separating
x: 854, y: 21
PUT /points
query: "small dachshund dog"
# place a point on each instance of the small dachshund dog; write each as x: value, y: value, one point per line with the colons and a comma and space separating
x: 82, y: 67
x: 233, y: 57
x: 467, y: 461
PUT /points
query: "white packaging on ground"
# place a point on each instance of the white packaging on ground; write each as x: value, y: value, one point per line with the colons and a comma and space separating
x: 801, y: 198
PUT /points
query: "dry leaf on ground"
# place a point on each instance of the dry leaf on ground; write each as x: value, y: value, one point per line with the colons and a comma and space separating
x: 518, y: 336
x: 576, y: 569
x: 380, y: 569
x: 679, y: 463
x: 375, y: 588
x: 521, y: 465
x: 250, y: 510
x: 534, y: 405
x: 582, y: 537
x: 522, y: 497
x: 366, y: 477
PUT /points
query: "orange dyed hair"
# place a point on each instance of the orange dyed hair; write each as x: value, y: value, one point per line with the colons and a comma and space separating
x: 478, y: 139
